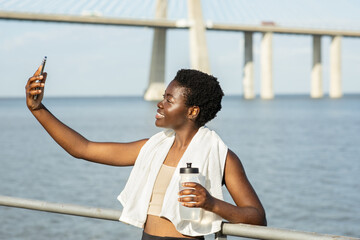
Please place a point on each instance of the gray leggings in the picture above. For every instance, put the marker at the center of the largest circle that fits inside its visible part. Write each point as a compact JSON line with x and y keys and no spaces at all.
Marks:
{"x":146,"y":236}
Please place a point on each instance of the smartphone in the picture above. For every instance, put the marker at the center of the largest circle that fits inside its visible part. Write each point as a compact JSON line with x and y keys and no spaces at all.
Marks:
{"x":42,"y":70}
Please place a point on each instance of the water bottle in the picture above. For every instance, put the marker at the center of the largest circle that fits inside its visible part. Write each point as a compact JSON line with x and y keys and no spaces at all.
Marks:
{"x":189,"y":174}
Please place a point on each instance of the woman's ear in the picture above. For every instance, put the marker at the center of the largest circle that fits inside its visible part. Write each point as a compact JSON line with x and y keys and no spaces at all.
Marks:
{"x":193,"y":112}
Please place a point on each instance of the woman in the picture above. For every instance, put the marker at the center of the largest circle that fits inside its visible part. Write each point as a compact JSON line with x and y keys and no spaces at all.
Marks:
{"x":191,"y":100}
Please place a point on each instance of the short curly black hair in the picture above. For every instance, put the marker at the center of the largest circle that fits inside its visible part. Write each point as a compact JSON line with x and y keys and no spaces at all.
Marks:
{"x":202,"y":90}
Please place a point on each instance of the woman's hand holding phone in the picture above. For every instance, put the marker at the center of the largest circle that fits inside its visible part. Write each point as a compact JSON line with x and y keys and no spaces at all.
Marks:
{"x":35,"y":89}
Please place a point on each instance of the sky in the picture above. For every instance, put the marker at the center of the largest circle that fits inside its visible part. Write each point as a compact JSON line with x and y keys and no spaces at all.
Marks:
{"x":86,"y":60}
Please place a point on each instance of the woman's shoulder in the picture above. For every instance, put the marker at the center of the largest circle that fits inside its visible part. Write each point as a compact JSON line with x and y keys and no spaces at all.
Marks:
{"x":215,"y":138}
{"x":232,"y":156}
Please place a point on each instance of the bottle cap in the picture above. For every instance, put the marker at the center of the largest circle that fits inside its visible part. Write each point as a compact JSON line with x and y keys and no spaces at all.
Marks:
{"x":189,"y":169}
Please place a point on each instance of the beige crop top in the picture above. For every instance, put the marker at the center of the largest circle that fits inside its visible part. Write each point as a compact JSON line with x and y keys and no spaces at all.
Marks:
{"x":161,"y":183}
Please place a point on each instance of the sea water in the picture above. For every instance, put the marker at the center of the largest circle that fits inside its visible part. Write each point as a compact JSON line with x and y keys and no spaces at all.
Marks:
{"x":301,"y":155}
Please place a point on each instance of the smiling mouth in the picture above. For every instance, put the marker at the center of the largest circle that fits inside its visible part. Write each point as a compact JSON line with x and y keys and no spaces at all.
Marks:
{"x":159,"y":116}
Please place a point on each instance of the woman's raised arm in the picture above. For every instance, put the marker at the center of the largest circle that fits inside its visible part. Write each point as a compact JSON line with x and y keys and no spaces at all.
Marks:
{"x":116,"y":154}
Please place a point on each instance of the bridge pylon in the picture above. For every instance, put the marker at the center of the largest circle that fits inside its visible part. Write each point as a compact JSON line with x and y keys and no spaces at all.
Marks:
{"x":156,"y":86}
{"x":335,"y":67}
{"x":248,"y":71}
{"x":316,"y":72}
{"x":199,"y":57}
{"x":266,"y":88}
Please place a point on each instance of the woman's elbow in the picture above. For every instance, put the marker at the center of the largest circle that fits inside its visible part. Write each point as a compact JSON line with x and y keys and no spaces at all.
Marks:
{"x":251,"y":216}
{"x":262,"y":217}
{"x":264,"y":222}
{"x":79,"y":151}
{"x":259,"y":218}
{"x":76,"y":153}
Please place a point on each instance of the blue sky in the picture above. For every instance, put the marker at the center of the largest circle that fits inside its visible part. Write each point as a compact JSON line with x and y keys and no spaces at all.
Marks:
{"x":86,"y":60}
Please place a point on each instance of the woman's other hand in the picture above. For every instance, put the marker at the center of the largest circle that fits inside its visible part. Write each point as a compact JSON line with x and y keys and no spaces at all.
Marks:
{"x":201,"y":198}
{"x":33,"y":88}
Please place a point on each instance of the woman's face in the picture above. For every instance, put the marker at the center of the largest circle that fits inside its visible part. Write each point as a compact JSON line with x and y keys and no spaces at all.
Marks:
{"x":172,"y":111}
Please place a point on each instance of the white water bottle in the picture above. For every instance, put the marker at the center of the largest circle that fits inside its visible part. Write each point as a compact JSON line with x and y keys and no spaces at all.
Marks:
{"x":189,"y":174}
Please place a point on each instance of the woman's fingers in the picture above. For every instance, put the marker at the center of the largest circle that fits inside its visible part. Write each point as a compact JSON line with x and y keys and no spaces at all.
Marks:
{"x":34,"y":85}
{"x":36,"y":81}
{"x":37,"y":86}
{"x":189,"y":199}
{"x":36,"y":78}
{"x":187,"y":192}
{"x":197,"y":196}
{"x":189,"y":204}
{"x":33,"y":80}
{"x":35,"y":92}
{"x":192,"y":185}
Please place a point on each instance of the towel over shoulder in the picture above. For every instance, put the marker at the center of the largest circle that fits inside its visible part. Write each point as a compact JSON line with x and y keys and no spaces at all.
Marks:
{"x":206,"y":151}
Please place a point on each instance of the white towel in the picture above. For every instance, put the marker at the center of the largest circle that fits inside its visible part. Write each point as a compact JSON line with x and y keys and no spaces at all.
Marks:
{"x":206,"y":151}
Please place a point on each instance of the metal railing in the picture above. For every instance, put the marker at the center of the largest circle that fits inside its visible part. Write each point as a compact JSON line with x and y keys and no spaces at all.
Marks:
{"x":240,"y":230}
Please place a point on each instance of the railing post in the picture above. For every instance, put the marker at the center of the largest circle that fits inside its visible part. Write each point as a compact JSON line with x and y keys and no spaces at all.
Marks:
{"x":248,"y":71}
{"x":266,"y":66}
{"x":335,"y":67}
{"x":156,"y":86}
{"x":316,"y":72}
{"x":220,"y":236}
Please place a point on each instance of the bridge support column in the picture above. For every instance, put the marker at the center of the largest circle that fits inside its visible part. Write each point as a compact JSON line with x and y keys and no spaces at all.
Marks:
{"x":198,"y":49}
{"x":156,"y":87}
{"x":266,"y":66}
{"x":248,"y":71}
{"x":335,"y":67}
{"x":316,"y":72}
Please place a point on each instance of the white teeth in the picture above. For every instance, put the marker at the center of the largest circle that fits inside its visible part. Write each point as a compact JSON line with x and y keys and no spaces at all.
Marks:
{"x":159,"y":115}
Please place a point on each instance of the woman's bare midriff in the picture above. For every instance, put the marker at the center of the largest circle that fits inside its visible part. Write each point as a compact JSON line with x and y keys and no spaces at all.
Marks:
{"x":160,"y":226}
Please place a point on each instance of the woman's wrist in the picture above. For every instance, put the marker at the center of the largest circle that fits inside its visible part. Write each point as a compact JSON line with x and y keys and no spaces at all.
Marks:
{"x":213,"y":205}
{"x":33,"y":110}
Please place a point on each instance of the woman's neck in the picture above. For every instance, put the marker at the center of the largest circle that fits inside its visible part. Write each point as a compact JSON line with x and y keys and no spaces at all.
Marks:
{"x":183,"y":136}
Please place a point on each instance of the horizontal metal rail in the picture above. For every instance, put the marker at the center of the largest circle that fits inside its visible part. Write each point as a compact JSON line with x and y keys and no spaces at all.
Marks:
{"x":241,"y":230}
{"x":174,"y":24}
{"x":69,"y":209}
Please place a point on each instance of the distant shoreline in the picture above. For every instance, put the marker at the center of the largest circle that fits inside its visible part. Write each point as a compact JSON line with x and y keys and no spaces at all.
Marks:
{"x":279,"y":95}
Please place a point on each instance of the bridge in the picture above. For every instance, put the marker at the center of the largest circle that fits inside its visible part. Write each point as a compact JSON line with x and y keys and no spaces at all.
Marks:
{"x":197,"y":27}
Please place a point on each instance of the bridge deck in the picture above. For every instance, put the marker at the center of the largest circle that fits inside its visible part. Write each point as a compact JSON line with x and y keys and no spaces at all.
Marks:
{"x":172,"y":24}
